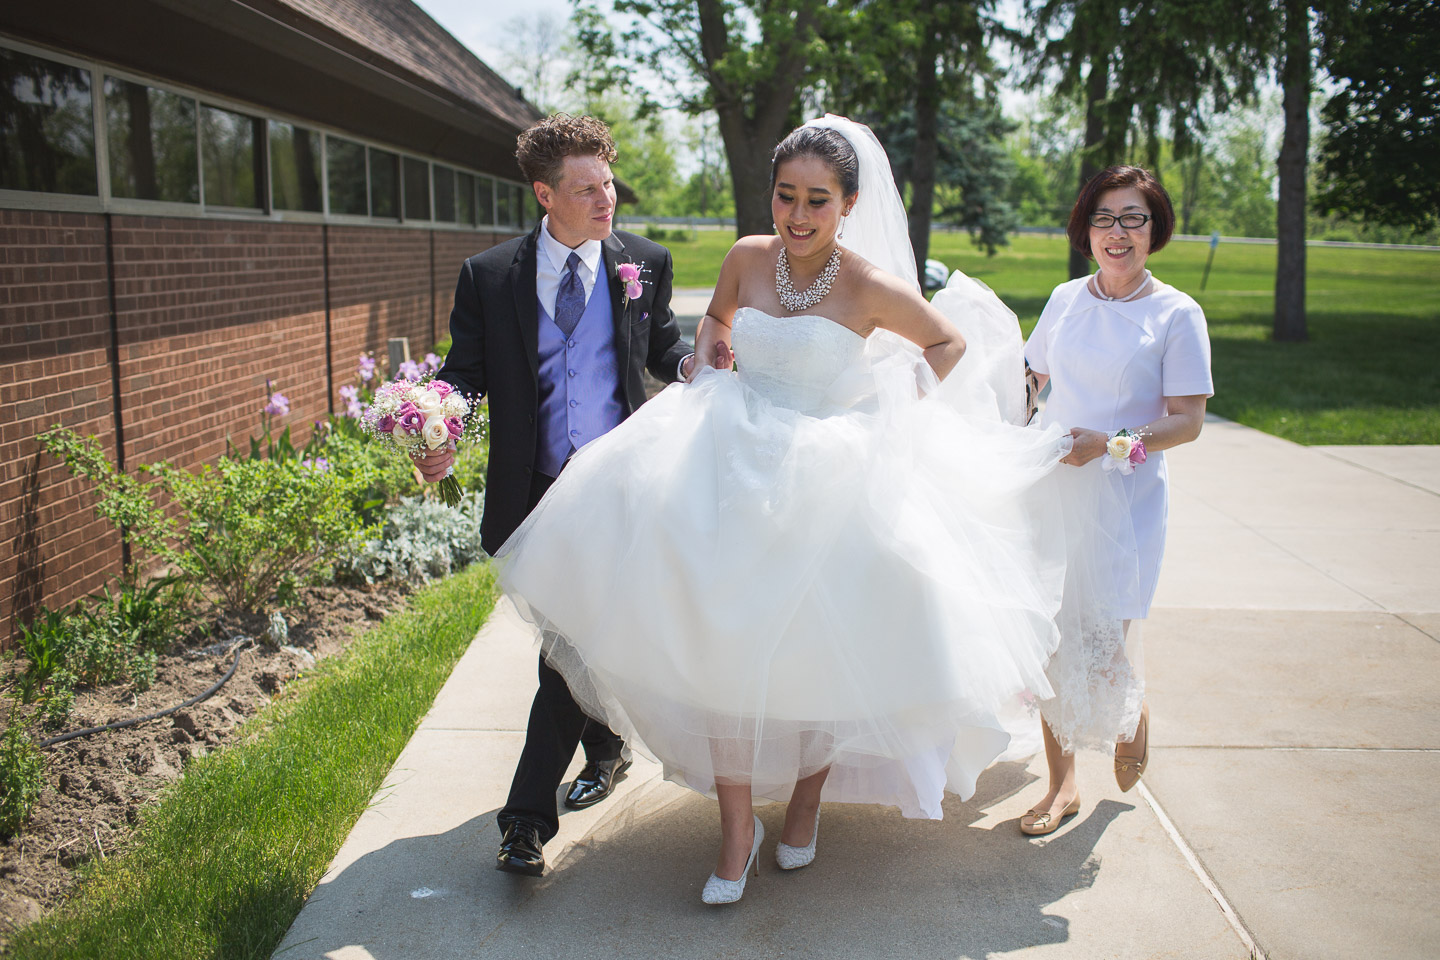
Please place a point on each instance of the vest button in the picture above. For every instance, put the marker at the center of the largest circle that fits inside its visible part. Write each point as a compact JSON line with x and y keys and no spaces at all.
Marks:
{"x":574,"y":403}
{"x":572,"y":373}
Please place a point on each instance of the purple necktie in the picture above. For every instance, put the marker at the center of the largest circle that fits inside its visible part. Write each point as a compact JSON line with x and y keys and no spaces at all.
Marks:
{"x":570,"y":301}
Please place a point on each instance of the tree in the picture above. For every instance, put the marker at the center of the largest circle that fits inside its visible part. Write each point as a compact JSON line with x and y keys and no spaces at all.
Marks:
{"x":1379,"y":154}
{"x":1296,"y":78}
{"x":911,"y":68}
{"x":1134,"y":64}
{"x":748,"y":60}
{"x":533,"y":50}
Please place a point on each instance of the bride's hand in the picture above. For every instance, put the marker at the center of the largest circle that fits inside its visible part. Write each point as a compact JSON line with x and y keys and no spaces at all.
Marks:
{"x":1089,"y":444}
{"x":715,"y":354}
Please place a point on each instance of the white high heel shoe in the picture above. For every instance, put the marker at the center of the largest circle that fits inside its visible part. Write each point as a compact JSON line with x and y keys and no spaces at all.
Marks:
{"x":718,"y":890}
{"x":793,"y":858}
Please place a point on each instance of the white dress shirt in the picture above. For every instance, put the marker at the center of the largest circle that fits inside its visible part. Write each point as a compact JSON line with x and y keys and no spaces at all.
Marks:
{"x":550,"y":260}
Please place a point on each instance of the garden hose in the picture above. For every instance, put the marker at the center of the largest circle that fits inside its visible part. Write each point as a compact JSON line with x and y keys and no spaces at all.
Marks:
{"x":121,"y":724}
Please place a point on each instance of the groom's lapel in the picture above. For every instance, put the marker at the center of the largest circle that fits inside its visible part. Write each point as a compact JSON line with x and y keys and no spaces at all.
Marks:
{"x":613,"y":256}
{"x":527,"y":302}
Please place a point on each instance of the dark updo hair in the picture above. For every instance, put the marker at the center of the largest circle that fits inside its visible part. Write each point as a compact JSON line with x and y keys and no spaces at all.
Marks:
{"x":1162,"y":214}
{"x":826,"y":145}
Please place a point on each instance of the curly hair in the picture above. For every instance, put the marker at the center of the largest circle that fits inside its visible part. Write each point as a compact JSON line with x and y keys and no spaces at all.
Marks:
{"x":1162,"y":214}
{"x":542,"y":149}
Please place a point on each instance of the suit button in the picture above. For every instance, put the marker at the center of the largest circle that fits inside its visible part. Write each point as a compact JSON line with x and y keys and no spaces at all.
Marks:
{"x":529,"y":469}
{"x":532,"y":418}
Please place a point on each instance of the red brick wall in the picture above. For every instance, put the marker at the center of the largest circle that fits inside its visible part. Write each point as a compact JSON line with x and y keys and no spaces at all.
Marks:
{"x":54,"y":336}
{"x":206,"y":311}
{"x":453,"y":248}
{"x":379,"y":288}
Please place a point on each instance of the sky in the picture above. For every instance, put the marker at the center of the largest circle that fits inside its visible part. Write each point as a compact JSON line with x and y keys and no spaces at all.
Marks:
{"x":475,"y":22}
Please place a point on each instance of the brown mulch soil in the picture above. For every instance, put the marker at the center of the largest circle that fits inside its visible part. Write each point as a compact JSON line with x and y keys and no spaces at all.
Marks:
{"x":97,"y":786}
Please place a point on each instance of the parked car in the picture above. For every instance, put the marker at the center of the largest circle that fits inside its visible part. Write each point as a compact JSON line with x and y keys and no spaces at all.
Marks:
{"x":936,"y":274}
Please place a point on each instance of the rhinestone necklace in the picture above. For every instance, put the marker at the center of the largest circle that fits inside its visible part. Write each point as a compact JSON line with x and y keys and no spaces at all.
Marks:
{"x":812,"y":294}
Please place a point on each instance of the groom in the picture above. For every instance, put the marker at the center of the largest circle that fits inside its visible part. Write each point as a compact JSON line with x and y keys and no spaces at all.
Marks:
{"x":544,"y":327}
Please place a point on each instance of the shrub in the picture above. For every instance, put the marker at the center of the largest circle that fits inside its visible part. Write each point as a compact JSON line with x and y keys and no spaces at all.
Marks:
{"x":255,"y":528}
{"x":119,"y":635}
{"x":421,"y":539}
{"x":22,"y":777}
{"x":246,"y":530}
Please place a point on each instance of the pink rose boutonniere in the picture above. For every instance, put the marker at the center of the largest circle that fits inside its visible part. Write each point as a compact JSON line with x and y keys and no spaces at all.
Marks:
{"x":629,"y":274}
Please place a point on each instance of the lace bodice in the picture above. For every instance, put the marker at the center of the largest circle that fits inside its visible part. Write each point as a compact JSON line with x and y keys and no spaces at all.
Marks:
{"x":792,"y":361}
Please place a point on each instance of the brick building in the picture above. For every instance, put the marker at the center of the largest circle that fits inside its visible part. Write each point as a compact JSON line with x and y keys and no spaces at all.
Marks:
{"x":196,"y":197}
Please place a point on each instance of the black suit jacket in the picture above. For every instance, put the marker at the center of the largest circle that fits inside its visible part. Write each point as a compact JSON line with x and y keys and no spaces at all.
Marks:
{"x":494,"y":328}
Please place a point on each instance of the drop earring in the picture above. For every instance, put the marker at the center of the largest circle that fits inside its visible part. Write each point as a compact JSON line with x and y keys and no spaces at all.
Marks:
{"x":843,"y":217}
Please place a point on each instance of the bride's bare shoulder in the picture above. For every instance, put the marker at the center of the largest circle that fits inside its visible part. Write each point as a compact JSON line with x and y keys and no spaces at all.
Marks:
{"x":753,"y":248}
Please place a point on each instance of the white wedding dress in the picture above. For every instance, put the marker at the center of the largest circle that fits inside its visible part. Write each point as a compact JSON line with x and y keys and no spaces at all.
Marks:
{"x":825,"y":559}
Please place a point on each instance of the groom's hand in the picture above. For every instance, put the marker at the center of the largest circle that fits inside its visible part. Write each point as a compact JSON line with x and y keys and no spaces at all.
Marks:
{"x":434,"y":464}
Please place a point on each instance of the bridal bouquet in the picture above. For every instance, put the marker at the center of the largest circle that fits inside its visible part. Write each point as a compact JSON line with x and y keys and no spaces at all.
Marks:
{"x":417,"y":416}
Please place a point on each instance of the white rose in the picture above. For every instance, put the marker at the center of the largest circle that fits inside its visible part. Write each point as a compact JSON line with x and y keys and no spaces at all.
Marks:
{"x":428,"y":402}
{"x":1119,"y":447}
{"x":399,"y":433}
{"x":435,"y":432}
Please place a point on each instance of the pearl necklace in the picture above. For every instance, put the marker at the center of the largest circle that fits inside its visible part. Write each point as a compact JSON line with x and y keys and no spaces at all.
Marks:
{"x":1132,"y":295}
{"x":812,"y":294}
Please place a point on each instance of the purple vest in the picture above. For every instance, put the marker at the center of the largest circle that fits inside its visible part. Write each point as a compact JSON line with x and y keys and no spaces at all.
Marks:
{"x":579,"y":382}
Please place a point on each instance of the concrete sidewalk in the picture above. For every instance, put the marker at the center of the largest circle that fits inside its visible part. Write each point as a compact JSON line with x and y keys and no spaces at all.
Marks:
{"x":1293,"y":666}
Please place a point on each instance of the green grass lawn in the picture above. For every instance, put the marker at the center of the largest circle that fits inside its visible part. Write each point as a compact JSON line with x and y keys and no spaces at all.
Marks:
{"x":1366,"y":375}
{"x":223,"y":865}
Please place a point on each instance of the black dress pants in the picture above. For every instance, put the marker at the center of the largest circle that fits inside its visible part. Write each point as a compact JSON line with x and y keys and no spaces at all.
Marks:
{"x":557,"y":725}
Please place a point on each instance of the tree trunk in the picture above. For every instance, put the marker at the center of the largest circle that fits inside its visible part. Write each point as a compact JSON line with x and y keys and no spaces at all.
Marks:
{"x":748,"y":150}
{"x":1097,"y":90}
{"x":927,"y":148}
{"x":1295,"y":76}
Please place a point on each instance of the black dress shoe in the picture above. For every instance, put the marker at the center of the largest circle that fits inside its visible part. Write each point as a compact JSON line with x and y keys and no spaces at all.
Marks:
{"x":521,"y":850}
{"x":596,"y":780}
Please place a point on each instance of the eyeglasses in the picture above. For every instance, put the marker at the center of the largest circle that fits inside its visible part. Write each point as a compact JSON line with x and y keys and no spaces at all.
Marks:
{"x":1130,"y":221}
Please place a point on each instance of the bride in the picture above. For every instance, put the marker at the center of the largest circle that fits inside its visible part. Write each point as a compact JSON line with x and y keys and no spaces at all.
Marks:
{"x":831,"y":572}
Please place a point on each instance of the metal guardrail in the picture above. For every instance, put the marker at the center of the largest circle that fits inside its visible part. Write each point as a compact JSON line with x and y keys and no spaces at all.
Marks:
{"x":728,"y":223}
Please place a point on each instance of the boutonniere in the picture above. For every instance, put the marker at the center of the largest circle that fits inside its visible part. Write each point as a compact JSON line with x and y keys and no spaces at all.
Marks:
{"x":629,"y":274}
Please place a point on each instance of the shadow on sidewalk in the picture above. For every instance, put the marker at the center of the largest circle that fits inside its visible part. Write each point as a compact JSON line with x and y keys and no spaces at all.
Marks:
{"x":881,"y":886}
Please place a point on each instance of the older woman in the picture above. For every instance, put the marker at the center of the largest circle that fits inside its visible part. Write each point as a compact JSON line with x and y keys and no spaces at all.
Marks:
{"x":1128,"y":360}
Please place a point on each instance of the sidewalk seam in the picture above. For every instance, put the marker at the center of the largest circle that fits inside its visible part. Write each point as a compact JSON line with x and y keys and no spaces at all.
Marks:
{"x":1378,"y":473}
{"x":1203,"y":875}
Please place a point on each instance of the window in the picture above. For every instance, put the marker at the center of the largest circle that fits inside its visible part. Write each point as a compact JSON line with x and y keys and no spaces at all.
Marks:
{"x":517,"y":206}
{"x":444,"y":194}
{"x":485,"y":205}
{"x":152,"y":143}
{"x":465,"y":195}
{"x":502,"y":205}
{"x":230,"y":158}
{"x":417,"y":189}
{"x":47,"y":129}
{"x":345,"y":162}
{"x":384,"y":184}
{"x":295,"y":168}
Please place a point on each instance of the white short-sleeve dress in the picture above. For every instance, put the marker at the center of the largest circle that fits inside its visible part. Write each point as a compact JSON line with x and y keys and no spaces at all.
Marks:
{"x":1111,"y":365}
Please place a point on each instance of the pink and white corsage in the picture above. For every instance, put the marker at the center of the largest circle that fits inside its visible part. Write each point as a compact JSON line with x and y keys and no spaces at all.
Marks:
{"x":1124,"y":452}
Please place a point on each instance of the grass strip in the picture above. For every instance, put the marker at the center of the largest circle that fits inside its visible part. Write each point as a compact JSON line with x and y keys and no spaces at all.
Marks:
{"x":223,"y":864}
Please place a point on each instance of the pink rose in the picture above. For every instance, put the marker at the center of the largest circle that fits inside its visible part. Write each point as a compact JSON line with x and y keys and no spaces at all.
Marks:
{"x":441,"y":387}
{"x":1137,"y":453}
{"x":628,"y":273}
{"x":386,"y":424}
{"x":409,"y":418}
{"x":455,"y":426}
{"x":633,"y":289}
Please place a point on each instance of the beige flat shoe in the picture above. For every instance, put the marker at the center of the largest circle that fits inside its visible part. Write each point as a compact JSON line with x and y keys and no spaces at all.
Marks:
{"x":1128,"y":770}
{"x":1042,"y":823}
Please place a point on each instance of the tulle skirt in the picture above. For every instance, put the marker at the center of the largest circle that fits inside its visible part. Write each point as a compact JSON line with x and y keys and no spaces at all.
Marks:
{"x":752,"y":594}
